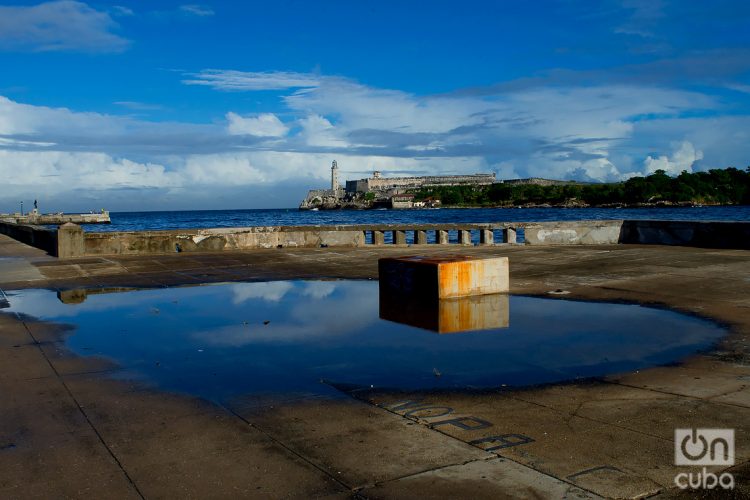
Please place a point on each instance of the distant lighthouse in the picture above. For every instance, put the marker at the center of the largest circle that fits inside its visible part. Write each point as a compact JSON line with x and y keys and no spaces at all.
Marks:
{"x":335,"y":177}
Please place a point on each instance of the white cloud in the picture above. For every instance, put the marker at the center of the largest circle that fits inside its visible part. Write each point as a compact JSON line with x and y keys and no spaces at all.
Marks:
{"x":318,"y":131}
{"x":49,"y":172}
{"x":222,"y":170}
{"x":20,"y":119}
{"x":262,"y":125}
{"x":682,"y":158}
{"x":243,"y":81}
{"x":65,"y":25}
{"x":359,"y":106}
{"x":604,"y":133}
{"x":197,"y":10}
{"x":120,"y":10}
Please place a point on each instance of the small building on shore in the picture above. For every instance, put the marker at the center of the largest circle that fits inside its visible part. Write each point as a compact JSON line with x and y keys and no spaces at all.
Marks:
{"x":401,"y":201}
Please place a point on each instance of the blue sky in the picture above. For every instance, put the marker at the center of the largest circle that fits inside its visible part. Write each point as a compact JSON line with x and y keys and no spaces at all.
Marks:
{"x":167,"y":105}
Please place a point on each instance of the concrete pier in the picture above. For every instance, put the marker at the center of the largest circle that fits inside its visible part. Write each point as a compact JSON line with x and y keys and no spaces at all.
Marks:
{"x":36,"y":218}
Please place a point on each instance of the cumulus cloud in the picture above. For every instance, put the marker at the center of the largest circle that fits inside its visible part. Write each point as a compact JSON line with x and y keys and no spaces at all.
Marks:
{"x":363,"y":107}
{"x":593,"y":133}
{"x":262,"y":125}
{"x":65,"y":25}
{"x":682,"y":158}
{"x":318,"y":131}
{"x":49,"y":172}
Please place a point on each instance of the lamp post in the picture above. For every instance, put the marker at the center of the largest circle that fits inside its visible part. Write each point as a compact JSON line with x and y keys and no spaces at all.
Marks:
{"x":21,"y":208}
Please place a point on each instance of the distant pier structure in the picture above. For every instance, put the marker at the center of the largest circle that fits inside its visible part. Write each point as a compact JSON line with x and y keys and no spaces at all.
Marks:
{"x":37,"y":218}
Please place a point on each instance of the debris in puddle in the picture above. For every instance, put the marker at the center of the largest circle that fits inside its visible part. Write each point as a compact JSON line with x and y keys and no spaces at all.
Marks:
{"x":155,"y":310}
{"x":436,"y":372}
{"x":266,"y":322}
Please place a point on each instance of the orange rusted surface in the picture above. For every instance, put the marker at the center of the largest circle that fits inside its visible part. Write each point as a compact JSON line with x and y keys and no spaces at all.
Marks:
{"x":472,"y":277}
{"x":444,"y":276}
{"x":466,"y":314}
{"x":463,"y":314}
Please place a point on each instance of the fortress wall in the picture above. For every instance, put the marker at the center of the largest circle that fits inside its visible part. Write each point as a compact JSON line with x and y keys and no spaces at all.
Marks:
{"x":432,"y":180}
{"x":538,"y":181}
{"x":358,"y":186}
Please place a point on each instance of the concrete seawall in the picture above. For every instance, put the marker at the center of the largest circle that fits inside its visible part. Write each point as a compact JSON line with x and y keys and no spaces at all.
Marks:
{"x":35,"y":236}
{"x":71,"y":241}
{"x":705,"y":234}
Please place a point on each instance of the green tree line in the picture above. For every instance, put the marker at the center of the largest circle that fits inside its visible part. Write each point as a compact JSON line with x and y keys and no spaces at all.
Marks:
{"x":729,"y":186}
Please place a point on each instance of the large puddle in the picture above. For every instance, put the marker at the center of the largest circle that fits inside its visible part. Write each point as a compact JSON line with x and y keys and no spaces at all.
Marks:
{"x":221,"y":341}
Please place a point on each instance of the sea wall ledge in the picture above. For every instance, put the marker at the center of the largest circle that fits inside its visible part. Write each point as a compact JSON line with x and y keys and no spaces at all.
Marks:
{"x":32,"y":235}
{"x":71,"y":240}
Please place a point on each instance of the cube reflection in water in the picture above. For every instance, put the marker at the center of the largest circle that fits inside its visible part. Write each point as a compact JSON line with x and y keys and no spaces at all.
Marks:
{"x":464,"y":314}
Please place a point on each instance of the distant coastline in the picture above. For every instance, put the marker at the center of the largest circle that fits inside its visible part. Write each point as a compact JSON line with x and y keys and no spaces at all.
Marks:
{"x":656,"y":205}
{"x":717,"y":187}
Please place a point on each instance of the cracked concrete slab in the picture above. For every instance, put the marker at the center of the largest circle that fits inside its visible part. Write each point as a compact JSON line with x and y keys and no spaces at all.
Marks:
{"x":483,"y":479}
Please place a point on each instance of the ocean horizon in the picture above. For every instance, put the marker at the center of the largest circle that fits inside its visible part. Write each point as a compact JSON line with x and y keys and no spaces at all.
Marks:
{"x":198,"y":219}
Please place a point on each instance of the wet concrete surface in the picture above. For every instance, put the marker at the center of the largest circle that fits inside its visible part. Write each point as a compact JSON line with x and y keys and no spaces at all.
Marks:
{"x":68,"y":431}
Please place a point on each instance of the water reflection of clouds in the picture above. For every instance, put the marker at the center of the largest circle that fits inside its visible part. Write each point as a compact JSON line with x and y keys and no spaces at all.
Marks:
{"x":327,"y":309}
{"x":271,"y":291}
{"x":322,"y":323}
{"x":318,"y":289}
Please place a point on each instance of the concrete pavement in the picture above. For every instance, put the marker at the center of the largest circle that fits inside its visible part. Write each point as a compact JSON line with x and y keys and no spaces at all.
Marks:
{"x":67,"y":430}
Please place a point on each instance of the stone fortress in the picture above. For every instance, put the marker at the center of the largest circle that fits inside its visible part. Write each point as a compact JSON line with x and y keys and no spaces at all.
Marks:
{"x":382,"y":191}
{"x":377,"y":183}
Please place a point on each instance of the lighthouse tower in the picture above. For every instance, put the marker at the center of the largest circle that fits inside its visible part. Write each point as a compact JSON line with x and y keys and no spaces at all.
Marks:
{"x":335,"y":178}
